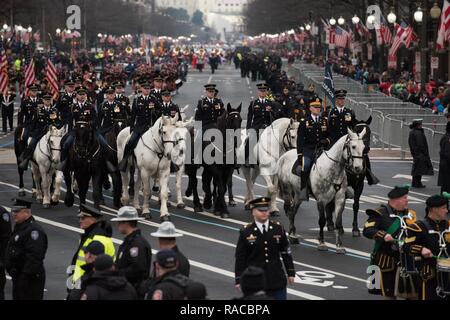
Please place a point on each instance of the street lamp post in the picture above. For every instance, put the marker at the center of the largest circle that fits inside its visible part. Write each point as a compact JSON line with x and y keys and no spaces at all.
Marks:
{"x":435,"y":13}
{"x":422,"y":18}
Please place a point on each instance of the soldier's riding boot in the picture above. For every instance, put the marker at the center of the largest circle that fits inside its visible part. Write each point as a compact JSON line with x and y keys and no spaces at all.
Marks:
{"x":371,"y":178}
{"x":26,"y":156}
{"x":304,"y":192}
{"x":124,"y":162}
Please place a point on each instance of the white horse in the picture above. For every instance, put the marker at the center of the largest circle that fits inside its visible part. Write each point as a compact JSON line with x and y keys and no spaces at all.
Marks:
{"x":274,"y":141}
{"x":153,"y":155}
{"x":328,"y":182}
{"x":46,"y":157}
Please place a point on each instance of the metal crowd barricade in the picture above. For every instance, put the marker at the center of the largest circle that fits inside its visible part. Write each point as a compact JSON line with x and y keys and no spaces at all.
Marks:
{"x":391,"y":117}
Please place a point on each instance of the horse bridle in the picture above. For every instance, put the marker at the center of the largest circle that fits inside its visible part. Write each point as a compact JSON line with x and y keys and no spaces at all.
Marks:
{"x":288,"y":137}
{"x":350,"y":155}
{"x":49,"y":149}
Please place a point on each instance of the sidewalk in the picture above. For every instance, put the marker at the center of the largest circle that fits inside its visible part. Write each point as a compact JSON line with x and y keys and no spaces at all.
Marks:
{"x":386,"y":154}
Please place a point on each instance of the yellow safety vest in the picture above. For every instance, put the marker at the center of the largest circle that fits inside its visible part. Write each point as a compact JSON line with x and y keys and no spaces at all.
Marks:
{"x":81,"y":261}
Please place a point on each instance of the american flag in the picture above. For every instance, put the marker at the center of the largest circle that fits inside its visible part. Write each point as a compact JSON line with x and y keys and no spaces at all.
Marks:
{"x":386,"y":34}
{"x":342,"y":37}
{"x":444,"y":27}
{"x":4,"y":79}
{"x":363,"y":31}
{"x":29,"y":72}
{"x":51,"y":74}
{"x":404,"y":35}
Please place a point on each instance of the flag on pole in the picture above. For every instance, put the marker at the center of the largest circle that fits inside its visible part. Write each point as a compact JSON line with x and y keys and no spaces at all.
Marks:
{"x":444,"y":27}
{"x":342,"y":37}
{"x":52,"y":75}
{"x":4,"y":79}
{"x":328,"y":83}
{"x":29,"y":71}
{"x":404,"y":35}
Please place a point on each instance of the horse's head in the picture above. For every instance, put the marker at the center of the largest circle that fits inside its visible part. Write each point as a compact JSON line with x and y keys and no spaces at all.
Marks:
{"x":233,"y":117}
{"x":180,"y":146}
{"x":83,"y":135}
{"x":360,"y":126}
{"x":54,"y":137}
{"x":167,"y":129}
{"x":354,"y":150}
{"x":291,"y":133}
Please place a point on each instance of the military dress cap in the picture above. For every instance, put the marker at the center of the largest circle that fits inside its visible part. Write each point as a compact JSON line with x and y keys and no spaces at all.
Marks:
{"x":436,"y":201}
{"x":262,"y":86}
{"x":95,"y":247}
{"x":398,"y":192}
{"x":47,"y":96}
{"x":103,"y":262}
{"x":127,"y":213}
{"x":81,"y":90}
{"x":317,"y":102}
{"x":78,"y":79}
{"x":165,"y":92}
{"x":69,"y":82}
{"x":110,"y":89}
{"x":166,"y":230}
{"x":145,"y":85}
{"x":340,"y":93}
{"x":210,"y":86}
{"x":118,"y":84}
{"x":158,"y":78}
{"x":260,"y":203}
{"x":252,"y":280}
{"x":20,"y":204}
{"x":88,"y":211}
{"x":167,"y":258}
{"x":33,"y":87}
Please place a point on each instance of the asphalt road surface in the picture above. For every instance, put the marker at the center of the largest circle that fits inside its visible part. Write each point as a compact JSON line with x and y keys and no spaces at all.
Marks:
{"x":209,"y":241}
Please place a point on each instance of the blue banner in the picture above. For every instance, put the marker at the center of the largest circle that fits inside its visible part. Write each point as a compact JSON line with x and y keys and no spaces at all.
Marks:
{"x":328,"y":84}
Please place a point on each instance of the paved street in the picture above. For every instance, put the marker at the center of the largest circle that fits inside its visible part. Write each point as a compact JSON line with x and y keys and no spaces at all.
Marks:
{"x":209,"y":242}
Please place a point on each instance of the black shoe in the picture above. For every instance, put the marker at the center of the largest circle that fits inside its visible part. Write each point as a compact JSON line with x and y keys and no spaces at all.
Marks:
{"x":165,"y":218}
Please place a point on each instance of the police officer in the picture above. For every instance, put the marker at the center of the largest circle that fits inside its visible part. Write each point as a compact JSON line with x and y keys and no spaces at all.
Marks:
{"x":66,"y":100}
{"x":44,"y":116}
{"x":167,"y":236}
{"x":423,"y":241}
{"x":27,"y":109}
{"x":7,"y":106}
{"x":209,"y":108}
{"x":169,"y":283}
{"x":385,"y":229}
{"x":95,"y":229}
{"x":25,"y":254}
{"x":169,"y":108}
{"x":5,"y":234}
{"x":252,"y":284}
{"x":121,"y":97}
{"x":109,"y":111}
{"x":261,"y":244}
{"x":157,"y":88}
{"x":134,"y":256}
{"x":145,"y":112}
{"x":82,"y":111}
{"x":313,"y":133}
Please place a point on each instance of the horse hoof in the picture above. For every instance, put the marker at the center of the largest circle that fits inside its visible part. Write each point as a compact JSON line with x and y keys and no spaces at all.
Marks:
{"x":247,"y":207}
{"x":22,"y":193}
{"x":232,"y":203}
{"x":207,"y":204}
{"x":322,"y":247}
{"x":46,"y":206}
{"x":164,"y":218}
{"x":181,"y":206}
{"x":216,"y":213}
{"x":148,"y":216}
{"x":40,"y":200}
{"x":274,"y":214}
{"x":54,"y":203}
{"x":198,"y":208}
{"x":341,"y":231}
{"x":356,"y":233}
{"x":224,"y":215}
{"x":330,"y":228}
{"x":340,"y":250}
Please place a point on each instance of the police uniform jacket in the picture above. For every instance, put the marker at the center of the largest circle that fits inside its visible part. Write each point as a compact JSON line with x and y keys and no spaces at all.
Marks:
{"x":26,"y":250}
{"x":208,"y":110}
{"x":26,"y":111}
{"x":258,"y":116}
{"x":134,"y":258}
{"x":264,"y":251}
{"x":5,"y":234}
{"x":83,"y":112}
{"x":169,"y":286}
{"x":110,"y":111}
{"x":171,"y":110}
{"x":42,"y":119}
{"x":145,"y":113}
{"x":108,"y":285}
{"x":340,"y":121}
{"x":310,"y":133}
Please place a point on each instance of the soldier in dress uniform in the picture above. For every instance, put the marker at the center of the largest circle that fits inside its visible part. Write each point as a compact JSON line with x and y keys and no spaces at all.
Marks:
{"x":289,"y":108}
{"x":209,"y":108}
{"x":5,"y":234}
{"x":385,"y":230}
{"x":169,"y":108}
{"x":145,"y":112}
{"x":44,"y":116}
{"x":262,"y":244}
{"x":134,"y":257}
{"x":82,"y":111}
{"x":66,"y":100}
{"x":157,"y":88}
{"x":121,"y":97}
{"x":7,"y":106}
{"x":111,"y":109}
{"x":313,"y":134}
{"x":27,"y":109}
{"x":422,"y":243}
{"x":25,"y":254}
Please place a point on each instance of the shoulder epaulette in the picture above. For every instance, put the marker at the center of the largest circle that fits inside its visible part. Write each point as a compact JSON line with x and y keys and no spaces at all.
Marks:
{"x":414,"y":227}
{"x":374,"y":211}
